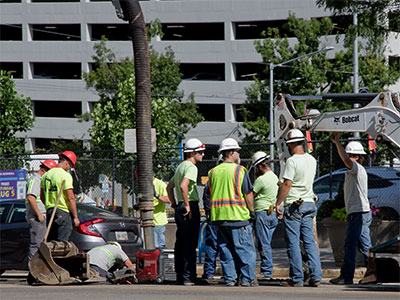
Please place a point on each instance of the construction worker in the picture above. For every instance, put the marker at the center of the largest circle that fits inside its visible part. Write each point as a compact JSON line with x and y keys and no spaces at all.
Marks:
{"x":187,"y":213}
{"x":211,"y":245}
{"x":35,"y":209}
{"x":160,"y":215}
{"x":61,"y":228}
{"x":103,"y":258}
{"x":265,"y":191}
{"x":231,"y":210}
{"x":296,"y":193}
{"x":357,"y":205}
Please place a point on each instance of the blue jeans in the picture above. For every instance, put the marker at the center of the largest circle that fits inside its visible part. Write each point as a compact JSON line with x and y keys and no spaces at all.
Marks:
{"x":236,"y":245}
{"x":61,"y":228}
{"x":187,"y":233}
{"x":211,"y":250}
{"x":264,"y":229}
{"x":159,"y":236}
{"x":357,"y":236}
{"x":298,"y":220}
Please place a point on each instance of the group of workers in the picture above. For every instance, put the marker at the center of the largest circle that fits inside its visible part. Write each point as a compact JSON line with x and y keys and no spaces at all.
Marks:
{"x":53,"y":181}
{"x":233,"y":205}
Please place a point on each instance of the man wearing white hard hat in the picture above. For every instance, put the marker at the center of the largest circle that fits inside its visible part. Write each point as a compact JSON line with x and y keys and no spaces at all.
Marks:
{"x":357,"y":208}
{"x":297,"y":196}
{"x":265,"y":189}
{"x":187,"y":213}
{"x":232,"y":209}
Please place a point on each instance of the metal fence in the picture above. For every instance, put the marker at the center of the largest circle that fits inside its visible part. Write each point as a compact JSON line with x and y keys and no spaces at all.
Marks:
{"x":106,"y":178}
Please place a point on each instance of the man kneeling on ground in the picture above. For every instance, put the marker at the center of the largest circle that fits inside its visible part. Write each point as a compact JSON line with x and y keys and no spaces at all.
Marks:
{"x":103,"y":258}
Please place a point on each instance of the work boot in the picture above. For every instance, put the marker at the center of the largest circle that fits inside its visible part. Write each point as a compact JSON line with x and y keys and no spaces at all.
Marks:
{"x":340,"y":281}
{"x":230,"y":284}
{"x":313,"y":283}
{"x":254,"y":283}
{"x":291,"y":283}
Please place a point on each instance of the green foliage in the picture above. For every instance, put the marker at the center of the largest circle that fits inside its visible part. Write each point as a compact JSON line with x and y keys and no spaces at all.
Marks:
{"x":316,"y":74}
{"x":114,"y":80}
{"x":339,"y":214}
{"x":372,"y":16}
{"x":15,"y":115}
{"x":328,"y":207}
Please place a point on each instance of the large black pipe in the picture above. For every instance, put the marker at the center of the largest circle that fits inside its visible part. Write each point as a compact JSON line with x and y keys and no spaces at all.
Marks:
{"x":137,"y":29}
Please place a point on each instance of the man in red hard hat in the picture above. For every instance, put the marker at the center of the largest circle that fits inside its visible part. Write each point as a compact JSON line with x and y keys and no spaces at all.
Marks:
{"x":35,"y":210}
{"x":66,"y":212}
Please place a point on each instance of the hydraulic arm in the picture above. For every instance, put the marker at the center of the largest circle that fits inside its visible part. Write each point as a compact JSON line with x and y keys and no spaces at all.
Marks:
{"x":379,"y":117}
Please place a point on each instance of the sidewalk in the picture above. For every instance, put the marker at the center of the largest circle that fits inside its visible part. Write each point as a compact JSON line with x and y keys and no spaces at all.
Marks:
{"x":281,"y":265}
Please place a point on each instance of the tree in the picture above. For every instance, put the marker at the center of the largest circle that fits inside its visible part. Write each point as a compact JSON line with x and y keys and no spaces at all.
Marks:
{"x":306,"y":76}
{"x":113,"y":80}
{"x":319,"y":76}
{"x":376,"y":18}
{"x":15,"y":116}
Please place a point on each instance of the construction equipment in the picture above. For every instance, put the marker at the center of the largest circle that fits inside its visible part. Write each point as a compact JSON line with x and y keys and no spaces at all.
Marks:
{"x":379,"y":117}
{"x":59,"y":262}
{"x":383,"y":269}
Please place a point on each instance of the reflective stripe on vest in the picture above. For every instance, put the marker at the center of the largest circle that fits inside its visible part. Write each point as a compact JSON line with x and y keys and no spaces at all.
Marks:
{"x":108,"y":252}
{"x":28,"y":190}
{"x":227,"y":201}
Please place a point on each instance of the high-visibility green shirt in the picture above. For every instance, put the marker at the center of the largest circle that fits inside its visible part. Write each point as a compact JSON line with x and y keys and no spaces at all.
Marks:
{"x":266,"y":188}
{"x":186,"y":170}
{"x":227,"y":199}
{"x":51,"y":184}
{"x":160,"y":215}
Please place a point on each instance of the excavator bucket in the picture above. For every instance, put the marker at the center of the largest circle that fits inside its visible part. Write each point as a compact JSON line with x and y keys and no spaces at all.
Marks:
{"x":58,"y":263}
{"x":383,"y":269}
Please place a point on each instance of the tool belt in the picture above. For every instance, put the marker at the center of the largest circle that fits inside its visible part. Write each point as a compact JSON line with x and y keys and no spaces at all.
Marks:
{"x":270,"y":210}
{"x":298,"y":202}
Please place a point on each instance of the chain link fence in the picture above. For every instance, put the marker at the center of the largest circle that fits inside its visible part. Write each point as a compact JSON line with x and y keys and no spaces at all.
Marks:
{"x":104,"y":178}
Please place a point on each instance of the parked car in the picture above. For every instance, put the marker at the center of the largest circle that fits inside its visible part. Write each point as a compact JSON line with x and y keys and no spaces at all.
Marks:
{"x":97,"y":227}
{"x":383,"y":188}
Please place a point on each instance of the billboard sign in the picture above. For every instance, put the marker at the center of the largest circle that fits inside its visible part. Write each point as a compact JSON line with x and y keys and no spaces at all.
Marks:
{"x":12,"y":184}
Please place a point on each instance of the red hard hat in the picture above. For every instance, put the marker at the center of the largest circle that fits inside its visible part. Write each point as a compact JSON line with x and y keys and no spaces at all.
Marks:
{"x":49,"y":163}
{"x":70,"y":155}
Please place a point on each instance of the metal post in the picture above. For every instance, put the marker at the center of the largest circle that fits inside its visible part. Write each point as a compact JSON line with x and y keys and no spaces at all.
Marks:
{"x":113,"y":175}
{"x":271,"y":114}
{"x":355,"y":67}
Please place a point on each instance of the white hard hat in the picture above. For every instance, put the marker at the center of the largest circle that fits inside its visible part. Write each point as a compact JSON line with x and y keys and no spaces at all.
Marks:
{"x":355,"y":148}
{"x":294,"y":135}
{"x":193,"y":145}
{"x":228,"y":144}
{"x":114,"y":243}
{"x":258,"y":157}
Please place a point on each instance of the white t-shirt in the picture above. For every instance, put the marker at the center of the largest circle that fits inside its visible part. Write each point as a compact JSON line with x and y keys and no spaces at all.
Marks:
{"x":356,"y":189}
{"x":300,"y":169}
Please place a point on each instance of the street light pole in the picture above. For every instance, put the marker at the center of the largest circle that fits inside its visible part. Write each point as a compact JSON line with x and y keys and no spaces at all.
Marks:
{"x":271,"y":97}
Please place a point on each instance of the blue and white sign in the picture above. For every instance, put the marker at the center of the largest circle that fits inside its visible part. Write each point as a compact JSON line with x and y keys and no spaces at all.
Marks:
{"x":12,"y":184}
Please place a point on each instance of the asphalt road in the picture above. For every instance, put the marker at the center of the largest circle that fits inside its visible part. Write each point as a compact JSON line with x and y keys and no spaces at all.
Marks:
{"x":15,"y":288}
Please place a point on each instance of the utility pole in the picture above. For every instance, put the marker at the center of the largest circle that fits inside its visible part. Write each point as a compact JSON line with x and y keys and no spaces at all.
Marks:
{"x":356,"y":135}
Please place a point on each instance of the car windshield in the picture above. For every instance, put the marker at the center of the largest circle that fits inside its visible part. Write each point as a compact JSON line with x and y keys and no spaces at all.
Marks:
{"x":93,"y":211}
